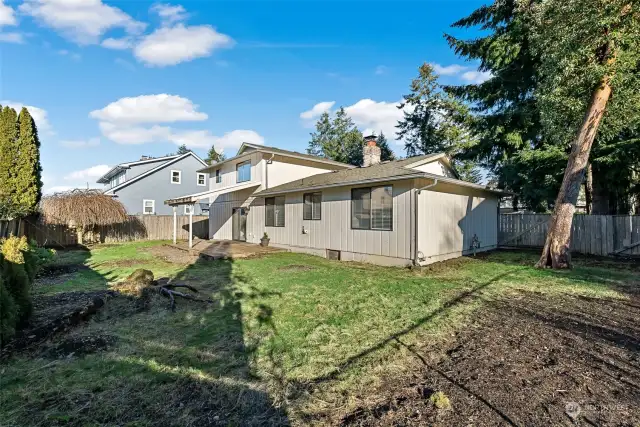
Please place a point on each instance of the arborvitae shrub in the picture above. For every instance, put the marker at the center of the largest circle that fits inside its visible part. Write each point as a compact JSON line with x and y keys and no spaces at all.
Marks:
{"x":8,"y":314}
{"x":18,"y":269}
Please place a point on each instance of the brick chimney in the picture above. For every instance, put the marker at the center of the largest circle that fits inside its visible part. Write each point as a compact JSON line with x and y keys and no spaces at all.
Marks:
{"x":371,"y":151}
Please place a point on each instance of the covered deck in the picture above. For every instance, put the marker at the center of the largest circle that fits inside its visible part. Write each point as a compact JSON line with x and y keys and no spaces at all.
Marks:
{"x":202,"y":198}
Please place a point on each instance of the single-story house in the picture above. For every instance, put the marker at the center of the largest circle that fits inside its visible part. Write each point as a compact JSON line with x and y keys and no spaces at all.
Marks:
{"x":412,"y":211}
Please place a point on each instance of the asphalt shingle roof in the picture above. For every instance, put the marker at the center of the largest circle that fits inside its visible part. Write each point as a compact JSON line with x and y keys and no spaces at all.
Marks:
{"x":392,"y":169}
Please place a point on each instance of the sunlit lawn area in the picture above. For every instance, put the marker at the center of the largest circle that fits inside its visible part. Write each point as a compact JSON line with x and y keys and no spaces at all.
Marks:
{"x":291,"y":338}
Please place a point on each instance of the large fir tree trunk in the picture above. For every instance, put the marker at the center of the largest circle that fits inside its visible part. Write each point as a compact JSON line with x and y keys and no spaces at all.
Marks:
{"x":588,"y":189}
{"x":556,"y":251}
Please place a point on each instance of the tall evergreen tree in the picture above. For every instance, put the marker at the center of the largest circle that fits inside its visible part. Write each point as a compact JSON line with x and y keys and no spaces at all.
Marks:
{"x":386,"y":153}
{"x":28,"y":171}
{"x":8,"y":148}
{"x":321,"y":137}
{"x":436,"y":122}
{"x":214,"y":157}
{"x":182,"y":149}
{"x":589,"y":50}
{"x":338,"y":139}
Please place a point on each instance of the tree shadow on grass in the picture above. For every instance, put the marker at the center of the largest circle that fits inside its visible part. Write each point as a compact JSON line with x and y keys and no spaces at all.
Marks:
{"x":190,"y":367}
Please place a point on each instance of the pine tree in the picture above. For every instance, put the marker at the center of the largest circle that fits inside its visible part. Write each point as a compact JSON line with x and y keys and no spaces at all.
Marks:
{"x":8,"y":149}
{"x":214,"y":157}
{"x":27,"y":179}
{"x":321,"y":137}
{"x":338,"y":139}
{"x":436,"y":122}
{"x":386,"y":153}
{"x":182,"y":149}
{"x":589,"y":50}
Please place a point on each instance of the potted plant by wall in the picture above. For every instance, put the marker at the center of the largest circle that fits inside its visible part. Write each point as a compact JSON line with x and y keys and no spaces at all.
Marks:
{"x":265,"y":239}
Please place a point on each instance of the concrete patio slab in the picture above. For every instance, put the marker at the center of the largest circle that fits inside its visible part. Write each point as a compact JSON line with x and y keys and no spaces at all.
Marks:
{"x":224,"y":249}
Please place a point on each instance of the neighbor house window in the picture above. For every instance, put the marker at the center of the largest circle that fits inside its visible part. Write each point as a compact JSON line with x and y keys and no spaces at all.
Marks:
{"x":148,"y":207}
{"x":274,"y":211}
{"x":243,"y":172}
{"x":202,"y":179}
{"x":312,"y":206}
{"x":188,"y":209}
{"x":176,"y":177}
{"x":218,"y":177}
{"x":372,"y":208}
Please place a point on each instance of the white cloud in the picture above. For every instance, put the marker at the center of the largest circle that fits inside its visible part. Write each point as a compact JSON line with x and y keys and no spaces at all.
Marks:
{"x":89,"y":173}
{"x":170,"y":14}
{"x":380,"y":70}
{"x":477,"y":77}
{"x":317,"y":110}
{"x":82,"y":21}
{"x":173,"y":45}
{"x":91,"y":142}
{"x":57,"y":189}
{"x":448,"y":70}
{"x":375,"y":116}
{"x":7,"y":15}
{"x":12,"y":38}
{"x":73,"y":55}
{"x":117,"y":44}
{"x":234,"y":139}
{"x":125,"y":64}
{"x":161,"y":108}
{"x":123,"y":134}
{"x":40,"y":116}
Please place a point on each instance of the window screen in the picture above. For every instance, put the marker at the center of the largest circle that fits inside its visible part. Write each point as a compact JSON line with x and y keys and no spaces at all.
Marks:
{"x":243,"y":172}
{"x":372,"y":208}
{"x":274,"y":211}
{"x":312,"y":206}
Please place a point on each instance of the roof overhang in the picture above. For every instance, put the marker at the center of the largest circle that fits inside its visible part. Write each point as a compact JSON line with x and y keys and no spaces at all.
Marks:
{"x":426,"y":175}
{"x":193,"y":198}
{"x":106,"y":178}
{"x":258,"y":148}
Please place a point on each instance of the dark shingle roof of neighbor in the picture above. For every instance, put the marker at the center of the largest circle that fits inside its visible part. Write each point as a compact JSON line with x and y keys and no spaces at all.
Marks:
{"x":393,"y":169}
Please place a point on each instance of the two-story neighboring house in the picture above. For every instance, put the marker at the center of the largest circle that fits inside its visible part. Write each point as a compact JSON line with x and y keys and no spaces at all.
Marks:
{"x":143,"y":186}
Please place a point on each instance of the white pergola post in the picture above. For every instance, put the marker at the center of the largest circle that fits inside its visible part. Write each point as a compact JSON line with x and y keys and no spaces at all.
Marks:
{"x":191,"y":228}
{"x":175,"y":225}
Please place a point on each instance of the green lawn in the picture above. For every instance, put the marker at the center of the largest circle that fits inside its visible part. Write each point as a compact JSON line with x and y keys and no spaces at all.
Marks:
{"x":290,"y":339}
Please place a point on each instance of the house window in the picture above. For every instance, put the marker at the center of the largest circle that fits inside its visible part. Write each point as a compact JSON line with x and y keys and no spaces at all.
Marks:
{"x":188,"y":209}
{"x":218,"y":177}
{"x":243,"y":172}
{"x":202,"y":179}
{"x":120,"y":179}
{"x":372,"y":208}
{"x":274,"y":211}
{"x":148,"y":207}
{"x":176,"y":177}
{"x":312,"y":206}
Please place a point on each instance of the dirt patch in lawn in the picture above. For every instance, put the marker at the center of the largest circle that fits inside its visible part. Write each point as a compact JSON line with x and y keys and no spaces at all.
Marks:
{"x":57,"y":274}
{"x":173,"y":255}
{"x":296,"y":267}
{"x":78,"y":346}
{"x":54,"y":314}
{"x":530,"y":359}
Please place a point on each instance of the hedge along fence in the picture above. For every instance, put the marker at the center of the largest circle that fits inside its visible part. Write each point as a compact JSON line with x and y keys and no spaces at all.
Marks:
{"x":136,"y":228}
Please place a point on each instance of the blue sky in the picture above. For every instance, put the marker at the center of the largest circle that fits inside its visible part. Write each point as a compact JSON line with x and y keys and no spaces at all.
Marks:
{"x":109,"y":81}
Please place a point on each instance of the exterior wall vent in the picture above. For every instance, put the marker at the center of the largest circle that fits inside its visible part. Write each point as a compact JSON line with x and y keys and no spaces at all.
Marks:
{"x":334,"y":255}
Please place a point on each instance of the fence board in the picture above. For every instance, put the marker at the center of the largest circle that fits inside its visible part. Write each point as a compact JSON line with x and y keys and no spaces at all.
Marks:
{"x":136,"y":228}
{"x":590,"y":234}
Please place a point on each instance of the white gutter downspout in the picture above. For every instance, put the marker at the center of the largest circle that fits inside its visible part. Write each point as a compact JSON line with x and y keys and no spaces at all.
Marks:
{"x":266,"y":173}
{"x":416,"y":253}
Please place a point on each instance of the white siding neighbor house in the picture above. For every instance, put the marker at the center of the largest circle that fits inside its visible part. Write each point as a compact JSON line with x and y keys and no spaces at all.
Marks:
{"x":413,"y":211}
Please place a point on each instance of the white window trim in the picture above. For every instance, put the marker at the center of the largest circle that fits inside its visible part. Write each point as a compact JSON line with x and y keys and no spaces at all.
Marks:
{"x":144,"y":205}
{"x":179,"y":176}
{"x":204,"y":183}
{"x":188,"y":206}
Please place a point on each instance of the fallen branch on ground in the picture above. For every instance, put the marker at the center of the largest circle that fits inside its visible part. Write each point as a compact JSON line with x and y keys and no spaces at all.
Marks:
{"x":167,"y":291}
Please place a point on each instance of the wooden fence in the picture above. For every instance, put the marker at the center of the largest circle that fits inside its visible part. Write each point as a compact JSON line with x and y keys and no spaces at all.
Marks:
{"x":146,"y":227}
{"x":590,"y":234}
